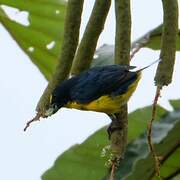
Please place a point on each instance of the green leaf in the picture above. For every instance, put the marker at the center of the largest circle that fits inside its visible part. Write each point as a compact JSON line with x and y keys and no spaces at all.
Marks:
{"x":84,"y":161}
{"x":138,"y":120}
{"x":152,"y":39}
{"x":103,"y":56}
{"x":175,"y":104}
{"x":81,"y":161}
{"x":138,"y":163}
{"x":168,"y":149}
{"x":46,"y":20}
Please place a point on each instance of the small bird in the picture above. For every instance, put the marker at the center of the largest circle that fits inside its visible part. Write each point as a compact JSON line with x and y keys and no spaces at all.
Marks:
{"x":101,"y":89}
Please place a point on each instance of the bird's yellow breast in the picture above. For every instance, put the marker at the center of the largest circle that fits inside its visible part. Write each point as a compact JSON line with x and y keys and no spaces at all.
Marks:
{"x":107,"y":103}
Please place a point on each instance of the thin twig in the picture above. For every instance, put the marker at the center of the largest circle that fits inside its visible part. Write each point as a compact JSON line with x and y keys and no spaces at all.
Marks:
{"x":112,"y":171}
{"x":137,"y":48}
{"x":149,"y":133}
{"x":165,"y":157}
{"x":36,"y":118}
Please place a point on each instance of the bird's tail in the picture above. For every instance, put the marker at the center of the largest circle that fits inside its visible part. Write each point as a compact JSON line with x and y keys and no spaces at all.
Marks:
{"x":156,"y":61}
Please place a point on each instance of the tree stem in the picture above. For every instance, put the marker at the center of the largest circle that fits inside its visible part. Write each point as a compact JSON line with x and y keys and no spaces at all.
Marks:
{"x":68,"y":49}
{"x":168,"y":43}
{"x":123,"y":32}
{"x":92,"y":32}
{"x":122,"y":56}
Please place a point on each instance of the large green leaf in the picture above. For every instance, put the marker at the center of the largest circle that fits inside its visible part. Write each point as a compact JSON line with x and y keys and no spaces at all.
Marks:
{"x":84,"y":162}
{"x":138,"y":163}
{"x":168,"y":149}
{"x":46,"y":19}
{"x":81,"y":161}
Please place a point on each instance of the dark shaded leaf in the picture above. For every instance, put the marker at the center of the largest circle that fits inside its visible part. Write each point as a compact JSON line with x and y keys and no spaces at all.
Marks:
{"x":137,"y":160}
{"x":168,"y":149}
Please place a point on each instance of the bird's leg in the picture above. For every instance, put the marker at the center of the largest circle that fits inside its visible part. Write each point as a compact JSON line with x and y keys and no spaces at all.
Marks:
{"x":114,"y":126}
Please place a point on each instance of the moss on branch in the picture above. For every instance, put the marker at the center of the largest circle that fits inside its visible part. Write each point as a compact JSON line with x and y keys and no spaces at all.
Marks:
{"x":123,"y":32}
{"x":119,"y":137}
{"x":168,"y":43}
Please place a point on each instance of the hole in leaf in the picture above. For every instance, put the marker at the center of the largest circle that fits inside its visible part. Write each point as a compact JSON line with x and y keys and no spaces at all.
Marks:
{"x":95,"y":56}
{"x":57,"y":11}
{"x":50,"y":45}
{"x":14,"y":14}
{"x":31,"y":49}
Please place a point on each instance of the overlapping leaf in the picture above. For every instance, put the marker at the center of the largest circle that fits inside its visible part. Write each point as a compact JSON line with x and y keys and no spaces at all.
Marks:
{"x":167,"y":149}
{"x":84,"y":161}
{"x":41,"y":39}
{"x":138,"y":162}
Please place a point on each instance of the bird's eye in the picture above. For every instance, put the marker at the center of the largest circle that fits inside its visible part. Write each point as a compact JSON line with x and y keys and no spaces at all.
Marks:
{"x":55,"y":106}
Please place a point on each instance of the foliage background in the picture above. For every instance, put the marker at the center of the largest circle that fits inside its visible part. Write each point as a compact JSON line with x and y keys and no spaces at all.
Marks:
{"x":31,"y":153}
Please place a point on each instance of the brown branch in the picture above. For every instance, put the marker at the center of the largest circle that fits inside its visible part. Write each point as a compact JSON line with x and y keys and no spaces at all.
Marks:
{"x":36,"y":118}
{"x":149,"y":134}
{"x":112,"y":170}
{"x":165,"y":157}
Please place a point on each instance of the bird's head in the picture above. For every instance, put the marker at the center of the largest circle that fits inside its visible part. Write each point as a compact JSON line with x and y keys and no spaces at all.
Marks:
{"x":55,"y":103}
{"x":53,"y":106}
{"x":59,"y":97}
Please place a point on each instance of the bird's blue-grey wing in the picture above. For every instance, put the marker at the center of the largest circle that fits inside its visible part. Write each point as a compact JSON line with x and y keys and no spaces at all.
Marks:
{"x":101,"y":81}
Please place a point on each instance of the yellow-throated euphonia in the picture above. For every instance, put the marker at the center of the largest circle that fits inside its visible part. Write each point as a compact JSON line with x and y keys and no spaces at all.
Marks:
{"x":102,"y":89}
